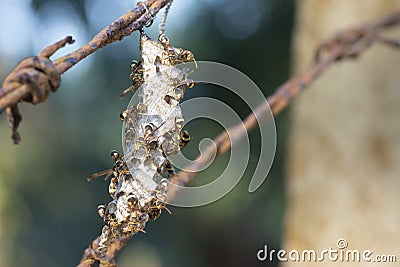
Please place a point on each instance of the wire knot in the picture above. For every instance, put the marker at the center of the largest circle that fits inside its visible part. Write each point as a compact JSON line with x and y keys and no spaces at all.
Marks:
{"x":37,"y":76}
{"x":31,"y":81}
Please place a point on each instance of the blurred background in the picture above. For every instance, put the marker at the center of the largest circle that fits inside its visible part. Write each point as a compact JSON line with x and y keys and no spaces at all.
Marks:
{"x":48,"y":210}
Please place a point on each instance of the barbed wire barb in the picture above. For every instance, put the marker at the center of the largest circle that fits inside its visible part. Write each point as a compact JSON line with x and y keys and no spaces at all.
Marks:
{"x":35,"y":77}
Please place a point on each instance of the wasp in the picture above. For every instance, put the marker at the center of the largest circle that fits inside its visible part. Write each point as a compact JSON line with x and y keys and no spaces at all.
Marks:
{"x":136,"y":73}
{"x":124,"y":114}
{"x":186,"y":56}
{"x":136,"y":77}
{"x":176,"y":56}
{"x":185,"y":139}
{"x":157,"y":205}
{"x":118,"y":168}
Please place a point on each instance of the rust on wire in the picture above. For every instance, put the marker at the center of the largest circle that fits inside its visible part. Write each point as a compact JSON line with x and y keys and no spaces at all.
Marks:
{"x":31,"y":81}
{"x":35,"y":77}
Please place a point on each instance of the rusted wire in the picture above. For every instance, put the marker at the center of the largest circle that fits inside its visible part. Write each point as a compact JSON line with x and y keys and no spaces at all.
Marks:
{"x":35,"y":77}
{"x":32,"y":80}
{"x":346,"y":45}
{"x":161,"y":26}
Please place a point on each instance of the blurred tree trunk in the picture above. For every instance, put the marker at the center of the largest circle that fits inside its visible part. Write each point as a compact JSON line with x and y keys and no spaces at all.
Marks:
{"x":344,"y":149}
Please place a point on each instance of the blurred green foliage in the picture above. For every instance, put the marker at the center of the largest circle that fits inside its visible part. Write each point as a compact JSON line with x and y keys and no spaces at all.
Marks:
{"x":48,"y":210}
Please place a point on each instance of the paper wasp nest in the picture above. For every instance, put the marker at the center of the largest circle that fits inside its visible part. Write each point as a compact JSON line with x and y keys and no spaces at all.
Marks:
{"x":152,"y":131}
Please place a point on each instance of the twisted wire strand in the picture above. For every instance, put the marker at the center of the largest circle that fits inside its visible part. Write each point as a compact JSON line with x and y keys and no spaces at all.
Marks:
{"x":161,"y":26}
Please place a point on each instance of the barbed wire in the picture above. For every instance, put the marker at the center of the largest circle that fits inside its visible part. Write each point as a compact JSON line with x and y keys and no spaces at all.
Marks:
{"x":345,"y":45}
{"x":35,"y":77}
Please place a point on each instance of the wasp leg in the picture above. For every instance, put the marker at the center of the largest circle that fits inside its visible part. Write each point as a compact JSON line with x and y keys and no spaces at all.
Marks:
{"x":127,"y":91}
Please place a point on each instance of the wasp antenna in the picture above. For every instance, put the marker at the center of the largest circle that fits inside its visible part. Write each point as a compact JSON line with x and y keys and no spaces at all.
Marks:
{"x":168,"y":210}
{"x":126,"y":91}
{"x":195,"y":63}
